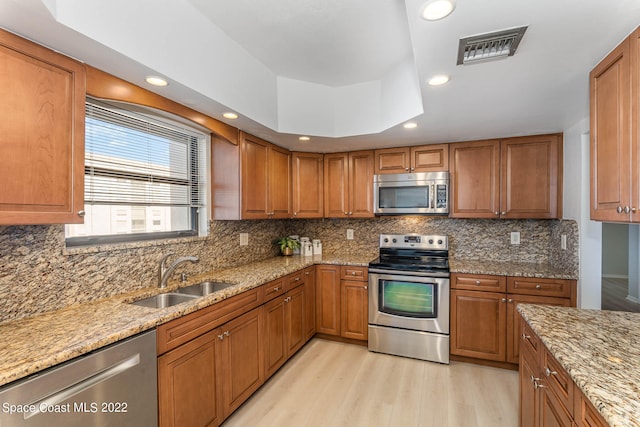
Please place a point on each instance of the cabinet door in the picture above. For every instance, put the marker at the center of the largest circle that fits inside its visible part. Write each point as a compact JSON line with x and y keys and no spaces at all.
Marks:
{"x":328,"y":299}
{"x":336,"y":185}
{"x":361,"y":184}
{"x":275,"y":348}
{"x":430,"y":158}
{"x":188,"y":393}
{"x":279,"y":182}
{"x":241,"y":347}
{"x":514,"y":319}
{"x":310,"y":302}
{"x":392,"y":160}
{"x":255,"y":177}
{"x":308,"y":189}
{"x":478,"y":324}
{"x":552,"y":413}
{"x":41,"y":134}
{"x":294,"y":320}
{"x":354,"y":303}
{"x":586,"y":415}
{"x":531,"y":177}
{"x":529,"y":394}
{"x":610,"y":136}
{"x":634,"y":59}
{"x":475,"y":179}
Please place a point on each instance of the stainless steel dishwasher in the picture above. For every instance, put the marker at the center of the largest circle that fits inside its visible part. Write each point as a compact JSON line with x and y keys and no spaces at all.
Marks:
{"x":113,"y":386}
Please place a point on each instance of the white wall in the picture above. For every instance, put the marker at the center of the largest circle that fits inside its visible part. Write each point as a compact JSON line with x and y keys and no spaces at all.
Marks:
{"x":576,"y":206}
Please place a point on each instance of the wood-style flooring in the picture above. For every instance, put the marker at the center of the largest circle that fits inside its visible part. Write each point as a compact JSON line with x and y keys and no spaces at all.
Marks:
{"x":614,"y":295}
{"x":335,"y":384}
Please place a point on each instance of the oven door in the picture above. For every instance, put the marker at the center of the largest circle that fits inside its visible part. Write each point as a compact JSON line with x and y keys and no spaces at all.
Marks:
{"x":403,"y":300}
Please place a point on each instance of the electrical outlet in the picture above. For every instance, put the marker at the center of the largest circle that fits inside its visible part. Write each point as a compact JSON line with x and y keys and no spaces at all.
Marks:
{"x":244,"y":239}
{"x":515,"y":237}
{"x":349,"y":233}
{"x":563,"y":242}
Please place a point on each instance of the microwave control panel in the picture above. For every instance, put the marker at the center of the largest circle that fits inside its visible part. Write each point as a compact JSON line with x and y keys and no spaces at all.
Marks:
{"x":441,"y":196}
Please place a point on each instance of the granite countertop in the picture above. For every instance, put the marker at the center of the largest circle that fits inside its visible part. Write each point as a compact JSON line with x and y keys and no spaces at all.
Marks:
{"x":501,"y":268}
{"x":601,"y":352}
{"x":35,"y":343}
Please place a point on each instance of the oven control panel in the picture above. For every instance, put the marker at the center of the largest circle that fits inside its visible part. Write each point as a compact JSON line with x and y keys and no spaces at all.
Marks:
{"x":414,"y":241}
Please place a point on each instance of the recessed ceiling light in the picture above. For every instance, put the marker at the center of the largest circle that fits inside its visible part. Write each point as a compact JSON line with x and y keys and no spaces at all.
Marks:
{"x":156,"y":81}
{"x":304,"y":138}
{"x":438,"y":80}
{"x":410,"y":125}
{"x":437,"y":9}
{"x":230,"y":115}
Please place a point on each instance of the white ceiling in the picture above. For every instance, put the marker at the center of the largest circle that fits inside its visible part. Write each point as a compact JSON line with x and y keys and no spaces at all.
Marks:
{"x":347,"y":73}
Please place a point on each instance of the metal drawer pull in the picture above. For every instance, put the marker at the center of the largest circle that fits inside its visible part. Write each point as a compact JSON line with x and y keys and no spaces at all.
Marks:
{"x":365,"y":286}
{"x":525,"y":336}
{"x":477,"y":282}
{"x":538,"y":287}
{"x":619,"y":209}
{"x":503,"y":300}
{"x":549,"y":372}
{"x":538,"y":385}
{"x":276,"y":289}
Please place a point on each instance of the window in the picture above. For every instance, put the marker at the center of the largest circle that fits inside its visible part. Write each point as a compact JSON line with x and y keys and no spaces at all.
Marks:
{"x":144,"y":178}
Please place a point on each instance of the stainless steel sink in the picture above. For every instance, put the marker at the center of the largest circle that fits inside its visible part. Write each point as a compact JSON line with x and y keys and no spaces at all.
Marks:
{"x":164,"y":300}
{"x":203,"y":288}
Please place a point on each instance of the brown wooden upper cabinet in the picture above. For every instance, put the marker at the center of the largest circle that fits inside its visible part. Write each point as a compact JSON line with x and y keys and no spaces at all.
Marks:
{"x":509,"y":178}
{"x":426,"y":158}
{"x":614,"y":122}
{"x":260,"y":188}
{"x":308,"y":193}
{"x":41,"y":134}
{"x":348,"y":185}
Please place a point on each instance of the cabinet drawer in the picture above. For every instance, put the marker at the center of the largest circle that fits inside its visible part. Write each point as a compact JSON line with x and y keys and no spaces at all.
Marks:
{"x":273,"y":289}
{"x":350,"y":272}
{"x":179,"y":331}
{"x":294,"y":280}
{"x":534,"y":286}
{"x":557,"y":380}
{"x":586,"y":415}
{"x":479,"y":282}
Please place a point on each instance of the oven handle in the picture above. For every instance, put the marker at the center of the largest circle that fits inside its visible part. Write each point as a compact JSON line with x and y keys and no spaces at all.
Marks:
{"x":409,"y":273}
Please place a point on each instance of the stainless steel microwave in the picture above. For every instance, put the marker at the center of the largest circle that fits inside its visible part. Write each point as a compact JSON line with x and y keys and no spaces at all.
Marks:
{"x":411,"y":193}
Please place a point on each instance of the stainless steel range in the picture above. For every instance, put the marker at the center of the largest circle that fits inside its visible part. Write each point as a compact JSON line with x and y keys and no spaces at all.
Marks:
{"x":409,"y":297}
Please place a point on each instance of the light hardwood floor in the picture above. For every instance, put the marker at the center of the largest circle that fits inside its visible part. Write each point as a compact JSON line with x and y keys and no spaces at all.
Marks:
{"x":335,"y":384}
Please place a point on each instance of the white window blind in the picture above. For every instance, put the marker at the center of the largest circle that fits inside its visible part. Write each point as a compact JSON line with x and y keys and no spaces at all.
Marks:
{"x":142,"y":176}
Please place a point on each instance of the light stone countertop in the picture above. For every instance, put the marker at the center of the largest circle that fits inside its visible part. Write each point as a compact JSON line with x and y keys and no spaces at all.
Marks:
{"x":501,"y":268}
{"x":601,"y":352}
{"x":35,"y":343}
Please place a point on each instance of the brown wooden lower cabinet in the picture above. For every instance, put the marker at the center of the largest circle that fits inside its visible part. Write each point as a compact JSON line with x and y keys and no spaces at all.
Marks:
{"x":354,"y":309}
{"x":485,"y":323}
{"x":188,"y":384}
{"x":548,"y":397}
{"x":328,"y":299}
{"x":212,"y":360}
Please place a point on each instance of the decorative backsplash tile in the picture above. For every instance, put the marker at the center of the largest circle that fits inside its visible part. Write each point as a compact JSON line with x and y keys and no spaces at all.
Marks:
{"x":37,"y":274}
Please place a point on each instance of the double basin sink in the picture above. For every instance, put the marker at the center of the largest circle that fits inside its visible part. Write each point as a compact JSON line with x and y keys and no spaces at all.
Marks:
{"x":188,"y":293}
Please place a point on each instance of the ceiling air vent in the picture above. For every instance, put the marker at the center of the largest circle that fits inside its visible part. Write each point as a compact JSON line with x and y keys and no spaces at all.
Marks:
{"x":488,"y":46}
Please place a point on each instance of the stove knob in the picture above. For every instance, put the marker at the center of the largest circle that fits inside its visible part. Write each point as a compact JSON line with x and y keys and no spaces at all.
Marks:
{"x":439,"y":242}
{"x":431,"y":241}
{"x":386,"y":240}
{"x":395,"y":241}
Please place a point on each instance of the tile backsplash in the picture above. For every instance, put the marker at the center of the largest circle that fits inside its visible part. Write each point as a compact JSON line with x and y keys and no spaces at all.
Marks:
{"x":37,"y":273}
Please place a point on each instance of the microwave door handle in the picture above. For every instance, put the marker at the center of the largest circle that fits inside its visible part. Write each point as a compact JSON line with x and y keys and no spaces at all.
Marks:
{"x":432,"y":196}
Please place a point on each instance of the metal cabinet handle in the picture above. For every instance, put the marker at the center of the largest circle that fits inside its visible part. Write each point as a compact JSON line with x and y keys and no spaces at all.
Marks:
{"x":503,"y":213}
{"x":353,"y":273}
{"x":221,"y":337}
{"x":619,"y":209}
{"x":538,"y":287}
{"x":497,"y":213}
{"x":534,"y":379}
{"x":82,"y":213}
{"x":477,"y":282}
{"x":306,"y":273}
{"x":525,"y":336}
{"x":538,"y":385}
{"x":549,"y":372}
{"x":226,"y":333}
{"x":346,"y":213}
{"x":295,"y":213}
{"x":503,"y":300}
{"x":412,"y":169}
{"x":627,"y":209}
{"x":296,"y":279}
{"x":511,"y":300}
{"x":350,"y":213}
{"x":406,"y":169}
{"x":365,"y":286}
{"x":633,"y":210}
{"x":276,"y":289}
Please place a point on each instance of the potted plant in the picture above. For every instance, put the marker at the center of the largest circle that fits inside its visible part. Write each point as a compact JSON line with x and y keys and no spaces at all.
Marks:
{"x":287,"y":245}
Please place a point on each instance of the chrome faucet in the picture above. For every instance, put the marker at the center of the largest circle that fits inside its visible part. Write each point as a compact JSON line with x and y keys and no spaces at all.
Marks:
{"x":164,"y":272}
